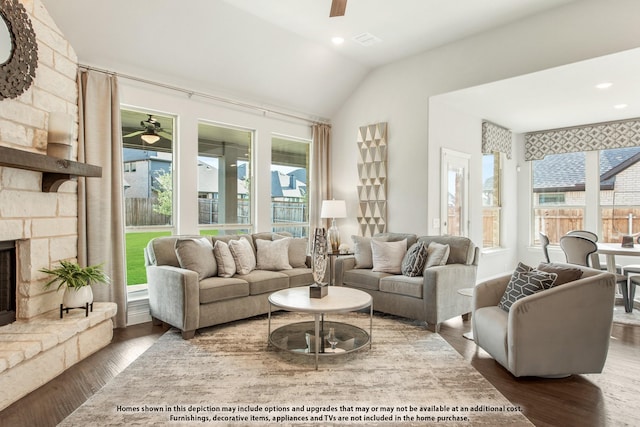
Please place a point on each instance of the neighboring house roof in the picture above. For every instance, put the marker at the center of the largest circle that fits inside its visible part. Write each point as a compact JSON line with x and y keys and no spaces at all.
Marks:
{"x":566,"y":172}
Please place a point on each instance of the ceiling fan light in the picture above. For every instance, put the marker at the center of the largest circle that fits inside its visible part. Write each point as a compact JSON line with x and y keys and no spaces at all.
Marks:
{"x":150,"y":138}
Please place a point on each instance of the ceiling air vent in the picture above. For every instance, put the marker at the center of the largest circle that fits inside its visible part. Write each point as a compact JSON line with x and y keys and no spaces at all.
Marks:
{"x":366,"y":39}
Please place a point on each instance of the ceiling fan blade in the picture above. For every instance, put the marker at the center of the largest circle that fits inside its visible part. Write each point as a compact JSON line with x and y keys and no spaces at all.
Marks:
{"x":164,"y":134}
{"x":133,"y":134}
{"x":338,"y":8}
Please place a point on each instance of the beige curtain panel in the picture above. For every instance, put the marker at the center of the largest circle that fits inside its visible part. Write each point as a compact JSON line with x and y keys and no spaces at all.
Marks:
{"x":319,"y":174}
{"x":100,"y":200}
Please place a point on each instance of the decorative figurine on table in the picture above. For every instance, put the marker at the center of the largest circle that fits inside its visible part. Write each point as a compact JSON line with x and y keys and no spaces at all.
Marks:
{"x":318,"y":264}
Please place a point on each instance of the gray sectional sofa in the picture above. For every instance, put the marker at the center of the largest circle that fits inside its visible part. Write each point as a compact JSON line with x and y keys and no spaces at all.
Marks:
{"x":187,"y":289}
{"x":431,"y":295}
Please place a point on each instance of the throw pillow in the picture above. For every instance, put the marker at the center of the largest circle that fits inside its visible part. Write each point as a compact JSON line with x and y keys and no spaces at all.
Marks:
{"x":388,"y":256}
{"x":298,"y":247}
{"x":224,"y":259}
{"x":243,"y":255}
{"x":273,"y":254}
{"x":196,"y":254}
{"x":362,"y":250}
{"x":437,"y":254}
{"x":565,"y":274}
{"x":415,"y":260}
{"x":525,"y":283}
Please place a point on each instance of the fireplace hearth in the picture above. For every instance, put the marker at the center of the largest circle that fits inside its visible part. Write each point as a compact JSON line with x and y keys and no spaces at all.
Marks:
{"x":7,"y":282}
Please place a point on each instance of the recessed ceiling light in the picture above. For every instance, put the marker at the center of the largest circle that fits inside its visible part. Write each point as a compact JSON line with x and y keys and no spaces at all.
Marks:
{"x":604,"y":85}
{"x":337,"y":40}
{"x":620,"y":106}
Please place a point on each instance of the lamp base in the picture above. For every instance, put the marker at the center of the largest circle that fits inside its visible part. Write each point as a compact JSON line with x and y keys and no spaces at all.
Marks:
{"x":334,"y":237}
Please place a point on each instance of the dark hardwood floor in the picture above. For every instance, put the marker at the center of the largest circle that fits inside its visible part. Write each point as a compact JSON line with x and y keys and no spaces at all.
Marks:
{"x":579,"y":400}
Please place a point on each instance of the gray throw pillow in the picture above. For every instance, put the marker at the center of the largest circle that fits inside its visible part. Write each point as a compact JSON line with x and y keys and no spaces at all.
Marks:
{"x":415,"y":260}
{"x":525,"y":281}
{"x":297,"y":250}
{"x":273,"y":254}
{"x":565,"y":274}
{"x":437,"y":254}
{"x":388,"y":256}
{"x":196,"y":254}
{"x":224,"y":259}
{"x":243,"y":255}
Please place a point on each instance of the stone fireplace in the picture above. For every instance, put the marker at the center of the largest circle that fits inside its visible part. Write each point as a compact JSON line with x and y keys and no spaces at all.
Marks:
{"x":41,"y":228}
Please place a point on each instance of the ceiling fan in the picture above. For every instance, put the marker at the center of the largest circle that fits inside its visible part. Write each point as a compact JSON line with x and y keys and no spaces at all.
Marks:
{"x":337,"y":8}
{"x":151,"y":132}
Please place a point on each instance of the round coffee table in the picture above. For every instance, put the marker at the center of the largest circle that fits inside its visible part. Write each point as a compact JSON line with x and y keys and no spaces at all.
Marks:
{"x":297,"y":337}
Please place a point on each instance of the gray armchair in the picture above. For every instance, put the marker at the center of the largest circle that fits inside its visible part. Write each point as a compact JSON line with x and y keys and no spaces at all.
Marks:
{"x":558,"y":332}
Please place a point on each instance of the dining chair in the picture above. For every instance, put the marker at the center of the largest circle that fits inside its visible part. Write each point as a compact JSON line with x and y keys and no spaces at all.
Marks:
{"x":633,"y":282}
{"x":582,"y":251}
{"x":544,"y":242}
{"x":584,"y":233}
{"x":593,"y":236}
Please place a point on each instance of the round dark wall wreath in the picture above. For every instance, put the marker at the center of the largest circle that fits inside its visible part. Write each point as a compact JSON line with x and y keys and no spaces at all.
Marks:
{"x":18,"y":72}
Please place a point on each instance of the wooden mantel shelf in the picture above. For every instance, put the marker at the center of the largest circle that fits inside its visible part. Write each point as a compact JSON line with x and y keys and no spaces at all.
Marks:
{"x":54,"y":171}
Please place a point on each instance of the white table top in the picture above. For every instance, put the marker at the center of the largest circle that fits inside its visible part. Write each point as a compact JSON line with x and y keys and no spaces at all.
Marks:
{"x":617,"y":249}
{"x":338,"y":299}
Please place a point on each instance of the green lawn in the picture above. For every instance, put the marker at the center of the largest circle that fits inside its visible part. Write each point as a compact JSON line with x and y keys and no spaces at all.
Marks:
{"x":136,"y":243}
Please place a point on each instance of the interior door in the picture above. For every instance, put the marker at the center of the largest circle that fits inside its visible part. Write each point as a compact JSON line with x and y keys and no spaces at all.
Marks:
{"x":454,"y":192}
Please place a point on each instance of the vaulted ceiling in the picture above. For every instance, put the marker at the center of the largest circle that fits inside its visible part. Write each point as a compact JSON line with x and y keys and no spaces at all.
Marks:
{"x":277,"y":52}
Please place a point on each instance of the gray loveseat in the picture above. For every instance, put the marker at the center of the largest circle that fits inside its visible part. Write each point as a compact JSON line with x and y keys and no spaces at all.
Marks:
{"x":431,"y":296}
{"x":197,"y":297}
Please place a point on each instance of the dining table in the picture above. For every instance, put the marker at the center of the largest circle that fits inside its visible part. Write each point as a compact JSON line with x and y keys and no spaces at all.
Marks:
{"x":610,"y":250}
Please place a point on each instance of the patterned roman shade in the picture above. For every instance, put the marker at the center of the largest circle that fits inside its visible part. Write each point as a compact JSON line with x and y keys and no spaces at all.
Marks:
{"x":496,"y":139}
{"x":599,"y":136}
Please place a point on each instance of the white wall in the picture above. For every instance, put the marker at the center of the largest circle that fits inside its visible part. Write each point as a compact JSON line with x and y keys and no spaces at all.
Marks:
{"x":189,"y":110}
{"x":399,"y":94}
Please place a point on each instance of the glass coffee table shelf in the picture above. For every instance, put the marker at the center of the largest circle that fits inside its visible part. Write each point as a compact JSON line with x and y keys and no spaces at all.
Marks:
{"x":300,"y":338}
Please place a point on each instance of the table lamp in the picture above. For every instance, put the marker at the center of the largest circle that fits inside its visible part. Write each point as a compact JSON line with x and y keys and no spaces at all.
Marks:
{"x":333,"y":209}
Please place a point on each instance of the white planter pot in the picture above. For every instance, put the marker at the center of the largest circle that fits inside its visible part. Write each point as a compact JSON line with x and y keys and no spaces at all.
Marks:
{"x":77,"y":297}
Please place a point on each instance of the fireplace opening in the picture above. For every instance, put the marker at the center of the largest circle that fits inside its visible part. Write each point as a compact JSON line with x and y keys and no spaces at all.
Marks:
{"x":7,"y":282}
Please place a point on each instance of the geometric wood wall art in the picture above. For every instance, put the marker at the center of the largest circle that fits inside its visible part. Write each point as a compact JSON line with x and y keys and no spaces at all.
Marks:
{"x":372,"y":173}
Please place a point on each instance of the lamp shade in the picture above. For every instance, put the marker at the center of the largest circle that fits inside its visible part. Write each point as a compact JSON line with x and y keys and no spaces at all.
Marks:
{"x":333,"y":209}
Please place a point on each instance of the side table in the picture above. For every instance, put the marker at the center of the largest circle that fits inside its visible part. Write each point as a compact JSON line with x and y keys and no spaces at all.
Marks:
{"x":468,"y":292}
{"x":330,"y":256}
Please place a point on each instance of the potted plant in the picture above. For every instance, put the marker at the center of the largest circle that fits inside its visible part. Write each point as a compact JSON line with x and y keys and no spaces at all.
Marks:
{"x":77,"y":282}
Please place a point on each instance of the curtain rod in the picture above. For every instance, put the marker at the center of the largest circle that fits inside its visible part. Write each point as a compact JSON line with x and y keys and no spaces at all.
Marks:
{"x":191,"y":93}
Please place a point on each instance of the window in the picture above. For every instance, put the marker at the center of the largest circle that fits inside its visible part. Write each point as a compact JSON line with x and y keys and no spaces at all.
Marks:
{"x":224,"y":179}
{"x":619,"y":192}
{"x":289,"y":185}
{"x":491,"y":203}
{"x":148,"y":184}
{"x":558,"y":183}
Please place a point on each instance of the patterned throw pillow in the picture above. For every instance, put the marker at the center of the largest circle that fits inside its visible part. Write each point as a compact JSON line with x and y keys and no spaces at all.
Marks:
{"x":525,"y":281}
{"x":415,"y":260}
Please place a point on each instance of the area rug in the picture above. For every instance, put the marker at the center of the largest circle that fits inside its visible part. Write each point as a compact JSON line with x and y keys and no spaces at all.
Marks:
{"x":228,"y":375}
{"x":620,"y":316}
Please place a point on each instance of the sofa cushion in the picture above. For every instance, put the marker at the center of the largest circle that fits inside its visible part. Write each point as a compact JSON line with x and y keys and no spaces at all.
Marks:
{"x":387,"y":256}
{"x":364,"y":279}
{"x":273,"y":254}
{"x":402,"y":285}
{"x":224,"y":259}
{"x":299,"y":276}
{"x":437,"y":254}
{"x":565,"y":273}
{"x":525,"y":281}
{"x":415,"y":260}
{"x":243,"y":255}
{"x":262,"y":281}
{"x":214,"y":289}
{"x":196,"y":254}
{"x":298,"y":247}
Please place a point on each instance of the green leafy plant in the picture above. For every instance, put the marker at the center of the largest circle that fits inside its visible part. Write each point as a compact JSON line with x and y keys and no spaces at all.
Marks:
{"x":71,"y":275}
